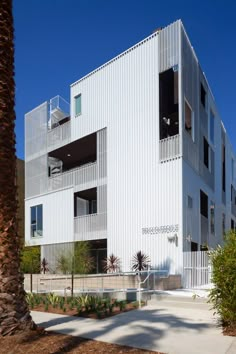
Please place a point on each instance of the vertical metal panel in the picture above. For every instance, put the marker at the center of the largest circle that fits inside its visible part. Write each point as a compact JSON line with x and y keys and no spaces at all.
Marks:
{"x":36,"y":132}
{"x":169,"y":46}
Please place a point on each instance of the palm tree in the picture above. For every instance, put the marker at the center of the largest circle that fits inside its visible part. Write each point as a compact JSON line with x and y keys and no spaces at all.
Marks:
{"x":14,"y":312}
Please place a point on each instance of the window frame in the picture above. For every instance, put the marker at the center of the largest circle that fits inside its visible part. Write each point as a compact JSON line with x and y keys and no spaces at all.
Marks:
{"x":75,"y":105}
{"x":34,"y":226}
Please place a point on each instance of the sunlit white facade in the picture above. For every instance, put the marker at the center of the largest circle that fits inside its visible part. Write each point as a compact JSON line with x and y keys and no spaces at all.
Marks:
{"x":139,"y":160}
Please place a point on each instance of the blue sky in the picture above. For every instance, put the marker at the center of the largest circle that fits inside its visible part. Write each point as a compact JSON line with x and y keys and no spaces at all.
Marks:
{"x":59,"y":41}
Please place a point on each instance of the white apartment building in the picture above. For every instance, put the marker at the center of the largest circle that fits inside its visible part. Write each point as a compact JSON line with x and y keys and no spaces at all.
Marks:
{"x":139,"y":159}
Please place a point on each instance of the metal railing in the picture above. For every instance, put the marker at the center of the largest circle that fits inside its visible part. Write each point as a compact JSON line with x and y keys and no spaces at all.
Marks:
{"x":78,"y":176}
{"x":90,"y":226}
{"x":59,"y":136}
{"x":97,"y":283}
{"x":169,"y":148}
{"x":59,"y":103}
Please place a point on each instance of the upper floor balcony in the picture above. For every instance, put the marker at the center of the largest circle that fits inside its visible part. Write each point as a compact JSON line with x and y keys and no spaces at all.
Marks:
{"x":59,"y":126}
{"x":83,"y":177}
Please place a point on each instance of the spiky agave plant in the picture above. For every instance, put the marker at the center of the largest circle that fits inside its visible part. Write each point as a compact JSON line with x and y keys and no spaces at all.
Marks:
{"x":111,"y":264}
{"x":140,"y":261}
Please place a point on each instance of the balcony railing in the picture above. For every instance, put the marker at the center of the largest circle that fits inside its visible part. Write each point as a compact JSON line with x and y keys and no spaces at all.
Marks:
{"x":79,"y":176}
{"x":90,"y":227}
{"x":169,"y":148}
{"x":59,"y":136}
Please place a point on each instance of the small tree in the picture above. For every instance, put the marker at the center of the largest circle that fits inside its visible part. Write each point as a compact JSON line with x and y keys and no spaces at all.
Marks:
{"x":111,"y":264}
{"x":64,"y":262}
{"x":83,"y":261}
{"x":77,"y":261}
{"x":140,"y":261}
{"x":223,"y":295}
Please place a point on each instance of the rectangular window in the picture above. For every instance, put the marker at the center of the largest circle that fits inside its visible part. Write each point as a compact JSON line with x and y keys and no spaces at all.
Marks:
{"x":212,"y":126}
{"x":188,"y":119}
{"x":223,"y":167}
{"x":212,"y":220}
{"x":203,"y":204}
{"x":36,"y":220}
{"x":78,"y":105}
{"x":232,"y":224}
{"x":223,"y":223}
{"x":203,"y":96}
{"x":205,"y":152}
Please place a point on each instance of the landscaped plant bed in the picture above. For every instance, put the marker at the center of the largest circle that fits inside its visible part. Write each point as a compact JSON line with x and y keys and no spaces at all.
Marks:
{"x":229,"y":331}
{"x":41,"y":342}
{"x":87,"y":306}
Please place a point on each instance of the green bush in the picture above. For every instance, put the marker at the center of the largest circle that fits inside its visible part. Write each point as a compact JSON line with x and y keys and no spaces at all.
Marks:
{"x":30,"y":259}
{"x":223,"y":295}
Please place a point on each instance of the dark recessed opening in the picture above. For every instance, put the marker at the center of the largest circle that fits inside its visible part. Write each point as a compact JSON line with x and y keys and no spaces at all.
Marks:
{"x":168,"y":103}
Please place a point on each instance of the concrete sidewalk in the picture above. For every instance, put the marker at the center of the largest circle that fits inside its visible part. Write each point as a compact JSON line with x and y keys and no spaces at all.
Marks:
{"x":163,"y":327}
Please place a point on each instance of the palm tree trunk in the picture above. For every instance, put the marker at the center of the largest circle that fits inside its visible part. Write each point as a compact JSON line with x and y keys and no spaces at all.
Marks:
{"x":14,"y":312}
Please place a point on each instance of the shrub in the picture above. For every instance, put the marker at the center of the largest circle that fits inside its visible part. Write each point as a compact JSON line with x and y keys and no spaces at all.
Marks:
{"x":30,"y":259}
{"x":223,"y":295}
{"x":111,"y":264}
{"x":140,"y":261}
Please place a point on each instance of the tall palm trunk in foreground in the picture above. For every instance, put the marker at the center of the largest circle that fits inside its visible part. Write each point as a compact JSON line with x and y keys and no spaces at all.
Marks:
{"x":14,"y":312}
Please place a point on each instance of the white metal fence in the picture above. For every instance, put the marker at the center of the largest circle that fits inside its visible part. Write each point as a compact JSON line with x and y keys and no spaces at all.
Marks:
{"x":196,"y":269}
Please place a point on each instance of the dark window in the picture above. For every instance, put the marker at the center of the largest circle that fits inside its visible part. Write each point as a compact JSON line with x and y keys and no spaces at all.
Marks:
{"x":223,"y":223}
{"x":168,"y":103}
{"x":223,"y":167}
{"x":232,"y":224}
{"x":203,"y":96}
{"x":203,"y":204}
{"x":212,"y":126}
{"x":36,"y":220}
{"x":212,"y":217}
{"x":194,"y":246}
{"x":206,"y":152}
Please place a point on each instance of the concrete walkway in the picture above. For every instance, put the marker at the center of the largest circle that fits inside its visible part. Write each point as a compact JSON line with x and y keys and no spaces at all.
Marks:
{"x":170,"y":327}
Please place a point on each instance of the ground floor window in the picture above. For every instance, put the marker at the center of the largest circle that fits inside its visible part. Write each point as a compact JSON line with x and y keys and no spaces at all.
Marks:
{"x":36,"y":220}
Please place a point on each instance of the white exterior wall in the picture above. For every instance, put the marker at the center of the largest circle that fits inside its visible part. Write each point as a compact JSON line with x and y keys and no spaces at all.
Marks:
{"x":124,"y":97}
{"x":58,"y":218}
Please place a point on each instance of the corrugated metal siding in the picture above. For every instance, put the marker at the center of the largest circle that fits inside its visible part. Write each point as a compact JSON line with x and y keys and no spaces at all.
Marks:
{"x":123,"y":97}
{"x":58,"y":217}
{"x":169,"y":46}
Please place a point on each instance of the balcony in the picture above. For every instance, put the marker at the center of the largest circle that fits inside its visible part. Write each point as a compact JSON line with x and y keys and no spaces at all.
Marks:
{"x":169,"y":148}
{"x":84,"y":176}
{"x":90,"y":227}
{"x":59,"y":128}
